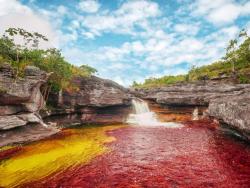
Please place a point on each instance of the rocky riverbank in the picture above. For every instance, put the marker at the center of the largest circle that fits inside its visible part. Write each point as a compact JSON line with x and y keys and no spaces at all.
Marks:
{"x":99,"y":101}
{"x":24,"y":116}
{"x":228,"y":103}
{"x":233,"y":112}
{"x":20,"y":103}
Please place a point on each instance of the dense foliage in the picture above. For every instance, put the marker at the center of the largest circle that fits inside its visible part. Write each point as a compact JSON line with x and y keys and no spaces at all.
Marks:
{"x":235,"y":63}
{"x":165,"y":80}
{"x":50,"y":60}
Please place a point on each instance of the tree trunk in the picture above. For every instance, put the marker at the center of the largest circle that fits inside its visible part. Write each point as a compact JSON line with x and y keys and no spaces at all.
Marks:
{"x":233,"y":67}
{"x":47,"y":93}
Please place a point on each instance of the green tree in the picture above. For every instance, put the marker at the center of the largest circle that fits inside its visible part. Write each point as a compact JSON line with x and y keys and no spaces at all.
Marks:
{"x":232,"y":52}
{"x":87,"y":70}
{"x":50,"y":60}
{"x":231,"y":55}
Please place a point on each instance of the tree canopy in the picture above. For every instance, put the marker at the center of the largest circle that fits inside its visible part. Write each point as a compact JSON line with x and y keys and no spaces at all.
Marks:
{"x":236,"y":61}
{"x":49,"y":60}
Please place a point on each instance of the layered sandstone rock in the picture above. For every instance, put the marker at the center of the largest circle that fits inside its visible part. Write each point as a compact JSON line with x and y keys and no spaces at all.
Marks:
{"x":20,"y":98}
{"x":97,"y":101}
{"x":20,"y":103}
{"x":234,"y":111}
{"x":229,"y":103}
{"x":192,"y":94}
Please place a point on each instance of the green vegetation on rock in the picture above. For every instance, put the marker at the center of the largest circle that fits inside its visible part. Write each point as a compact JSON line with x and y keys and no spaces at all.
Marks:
{"x":49,"y":60}
{"x":235,"y":64}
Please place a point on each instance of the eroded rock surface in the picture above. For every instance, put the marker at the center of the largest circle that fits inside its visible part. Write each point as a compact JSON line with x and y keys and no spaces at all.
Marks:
{"x":234,"y":111}
{"x":229,"y":103}
{"x":20,"y":103}
{"x":27,"y":133}
{"x":20,"y":98}
{"x":98,"y":101}
{"x":192,"y":94}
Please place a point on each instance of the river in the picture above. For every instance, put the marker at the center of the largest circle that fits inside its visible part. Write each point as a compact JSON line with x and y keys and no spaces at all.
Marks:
{"x":190,"y":154}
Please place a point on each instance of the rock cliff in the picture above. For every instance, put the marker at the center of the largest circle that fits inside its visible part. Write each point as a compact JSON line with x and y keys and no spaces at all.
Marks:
{"x":229,"y":103}
{"x":96,"y":101}
{"x":233,"y":111}
{"x":20,"y":102}
{"x":191,"y":94}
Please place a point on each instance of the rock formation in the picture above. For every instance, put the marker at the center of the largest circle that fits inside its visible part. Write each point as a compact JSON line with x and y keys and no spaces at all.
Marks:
{"x":20,"y":101}
{"x":96,"y":101}
{"x":229,"y":103}
{"x":233,"y":111}
{"x":191,"y":94}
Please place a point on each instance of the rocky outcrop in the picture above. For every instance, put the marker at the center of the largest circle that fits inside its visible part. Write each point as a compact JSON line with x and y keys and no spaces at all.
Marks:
{"x":27,"y":133}
{"x":191,"y":94}
{"x":229,"y":103}
{"x":20,"y":100}
{"x":95,"y":101}
{"x":234,"y":111}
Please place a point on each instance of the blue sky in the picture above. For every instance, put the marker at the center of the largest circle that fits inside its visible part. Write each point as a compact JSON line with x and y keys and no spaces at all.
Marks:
{"x":127,"y":40}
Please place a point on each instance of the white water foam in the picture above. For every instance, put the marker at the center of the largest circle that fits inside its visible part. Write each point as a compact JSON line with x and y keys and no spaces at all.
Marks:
{"x":195,"y":115}
{"x":144,"y":117}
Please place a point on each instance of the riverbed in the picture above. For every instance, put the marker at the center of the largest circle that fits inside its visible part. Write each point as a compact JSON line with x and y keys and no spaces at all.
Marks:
{"x":194,"y":155}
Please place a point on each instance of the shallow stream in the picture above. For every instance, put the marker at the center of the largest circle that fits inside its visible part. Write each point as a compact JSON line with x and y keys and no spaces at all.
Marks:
{"x":196,"y":154}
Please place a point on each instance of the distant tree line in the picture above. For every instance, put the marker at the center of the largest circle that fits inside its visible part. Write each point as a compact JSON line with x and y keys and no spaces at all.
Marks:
{"x":235,"y":63}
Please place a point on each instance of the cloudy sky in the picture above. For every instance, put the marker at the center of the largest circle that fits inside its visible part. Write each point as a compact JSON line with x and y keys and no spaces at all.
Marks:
{"x":127,"y":40}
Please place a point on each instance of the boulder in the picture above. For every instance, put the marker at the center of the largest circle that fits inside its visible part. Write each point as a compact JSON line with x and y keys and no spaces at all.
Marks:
{"x":234,"y":111}
{"x":96,"y":101}
{"x":15,"y":91}
{"x":12,"y":121}
{"x":9,"y":122}
{"x":10,"y":109}
{"x":97,"y":92}
{"x":27,"y":133}
{"x":20,"y":98}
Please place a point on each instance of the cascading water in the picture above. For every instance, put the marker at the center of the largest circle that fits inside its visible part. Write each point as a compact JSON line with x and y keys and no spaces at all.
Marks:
{"x":143,"y":116}
{"x":195,"y":115}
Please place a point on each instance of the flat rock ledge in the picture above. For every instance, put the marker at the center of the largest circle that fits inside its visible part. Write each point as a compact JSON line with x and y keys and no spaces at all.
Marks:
{"x":229,"y":103}
{"x":27,"y":133}
{"x":234,"y":111}
{"x":12,"y":121}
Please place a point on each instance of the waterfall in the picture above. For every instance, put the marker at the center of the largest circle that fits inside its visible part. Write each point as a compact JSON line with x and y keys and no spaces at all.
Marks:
{"x":195,"y":114}
{"x":140,"y":106}
{"x":143,"y":115}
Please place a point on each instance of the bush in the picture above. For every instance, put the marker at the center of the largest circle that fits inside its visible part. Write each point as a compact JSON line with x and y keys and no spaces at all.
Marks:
{"x":50,"y":60}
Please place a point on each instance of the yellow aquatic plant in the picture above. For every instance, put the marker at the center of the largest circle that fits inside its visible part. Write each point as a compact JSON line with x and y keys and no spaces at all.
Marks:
{"x":43,"y":158}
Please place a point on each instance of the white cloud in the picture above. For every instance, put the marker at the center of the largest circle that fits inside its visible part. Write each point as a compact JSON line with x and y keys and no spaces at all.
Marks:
{"x":225,"y":14}
{"x":220,"y":12}
{"x":187,"y":28}
{"x":246,"y":9}
{"x":62,"y":10}
{"x":157,"y":45}
{"x":123,"y":20}
{"x":89,"y":6}
{"x":14,"y":14}
{"x":154,"y":56}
